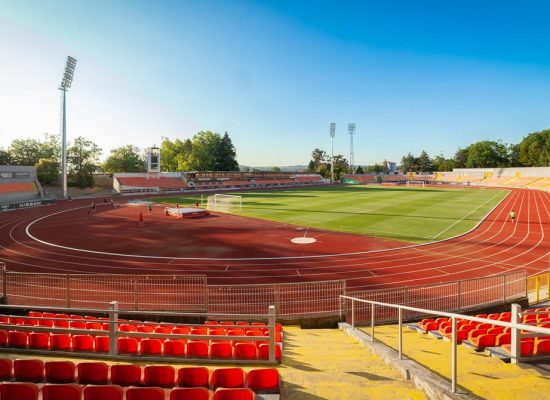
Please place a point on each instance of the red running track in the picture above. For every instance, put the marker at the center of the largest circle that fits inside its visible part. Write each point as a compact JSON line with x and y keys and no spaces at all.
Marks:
{"x":67,"y":238}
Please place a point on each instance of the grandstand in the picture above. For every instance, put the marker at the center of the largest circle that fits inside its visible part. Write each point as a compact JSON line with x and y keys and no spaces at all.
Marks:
{"x":19,"y":183}
{"x":130,"y":183}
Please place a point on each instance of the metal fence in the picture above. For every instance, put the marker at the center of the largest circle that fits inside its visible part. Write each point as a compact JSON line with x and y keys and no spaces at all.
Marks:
{"x":538,"y":288}
{"x":449,"y":296}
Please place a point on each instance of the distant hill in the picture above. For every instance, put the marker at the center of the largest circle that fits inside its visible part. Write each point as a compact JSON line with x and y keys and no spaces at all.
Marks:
{"x":285,"y":168}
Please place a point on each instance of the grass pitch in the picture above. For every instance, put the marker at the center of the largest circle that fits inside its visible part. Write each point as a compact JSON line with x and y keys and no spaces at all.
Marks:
{"x":416,"y":215}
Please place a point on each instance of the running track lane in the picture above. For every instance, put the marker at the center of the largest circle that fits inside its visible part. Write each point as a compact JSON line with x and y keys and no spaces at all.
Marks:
{"x":496,"y":246}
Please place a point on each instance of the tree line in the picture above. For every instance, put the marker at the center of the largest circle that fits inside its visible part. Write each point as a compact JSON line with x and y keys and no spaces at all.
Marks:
{"x":206,"y":151}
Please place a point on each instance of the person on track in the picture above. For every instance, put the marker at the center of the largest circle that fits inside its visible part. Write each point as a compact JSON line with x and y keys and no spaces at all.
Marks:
{"x":141,"y":219}
{"x":197,"y":204}
{"x":149,"y":209}
{"x":512,"y":216}
{"x":93,"y":206}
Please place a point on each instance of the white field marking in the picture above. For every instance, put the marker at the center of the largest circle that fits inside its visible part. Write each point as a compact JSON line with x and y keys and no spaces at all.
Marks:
{"x":298,"y":272}
{"x":227,"y":267}
{"x":462,"y":219}
{"x":305,"y":233}
{"x":443,"y":272}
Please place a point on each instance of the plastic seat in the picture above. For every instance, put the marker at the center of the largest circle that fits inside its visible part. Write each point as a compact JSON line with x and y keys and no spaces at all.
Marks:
{"x":103,"y":392}
{"x":83,"y":343}
{"x":60,"y":371}
{"x":264,"y":380}
{"x":60,"y":323}
{"x":174,"y":347}
{"x":77,"y":325}
{"x":145,"y":393}
{"x":90,"y":318}
{"x":60,"y":341}
{"x":193,"y":377}
{"x":197,"y":348}
{"x":475,"y":333}
{"x":165,"y":330}
{"x":227,"y":378}
{"x":28,"y":370}
{"x":17,"y":339}
{"x":245,"y":351}
{"x":127,"y":328}
{"x":151,"y":346}
{"x":67,"y":391}
{"x":94,"y":325}
{"x":484,"y":340}
{"x":159,"y":375}
{"x":263,"y":352}
{"x":181,"y":330}
{"x":95,"y":373}
{"x":503,"y":338}
{"x":126,"y":374}
{"x":19,"y":391}
{"x":3,"y":338}
{"x":227,"y":323}
{"x":526,"y":348}
{"x":145,"y":328}
{"x":6,"y":366}
{"x":199,"y":331}
{"x":191,"y":393}
{"x":211,"y":323}
{"x":127,"y":345}
{"x":102,"y":344}
{"x":542,"y":347}
{"x":221,"y":350}
{"x":234,"y":394}
{"x":35,"y":314}
{"x":39,"y":340}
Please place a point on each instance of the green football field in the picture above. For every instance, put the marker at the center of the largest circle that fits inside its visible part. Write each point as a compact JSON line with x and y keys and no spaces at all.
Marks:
{"x":415,"y":215}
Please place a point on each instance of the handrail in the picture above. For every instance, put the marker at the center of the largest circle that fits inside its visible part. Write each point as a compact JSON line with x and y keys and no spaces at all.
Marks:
{"x":516,"y":328}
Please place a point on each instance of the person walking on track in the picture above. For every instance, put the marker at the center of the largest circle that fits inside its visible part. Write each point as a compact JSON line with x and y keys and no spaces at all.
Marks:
{"x":512,"y":216}
{"x":141,"y":219}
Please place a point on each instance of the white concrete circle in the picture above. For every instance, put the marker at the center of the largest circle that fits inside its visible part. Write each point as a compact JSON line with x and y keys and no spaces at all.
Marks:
{"x":303,"y":240}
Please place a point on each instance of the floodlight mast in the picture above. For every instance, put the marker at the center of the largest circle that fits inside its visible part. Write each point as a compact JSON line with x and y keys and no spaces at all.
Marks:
{"x":351,"y":131}
{"x":332,"y":134}
{"x":66,"y":81}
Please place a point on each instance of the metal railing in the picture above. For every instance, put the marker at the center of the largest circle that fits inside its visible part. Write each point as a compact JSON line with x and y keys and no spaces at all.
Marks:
{"x":114,"y":333}
{"x":538,"y":288}
{"x":514,"y":325}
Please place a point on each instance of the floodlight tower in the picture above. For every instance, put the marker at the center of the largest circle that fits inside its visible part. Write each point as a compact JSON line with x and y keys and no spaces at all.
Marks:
{"x":351,"y":131}
{"x":332,"y":134}
{"x":68,"y":75}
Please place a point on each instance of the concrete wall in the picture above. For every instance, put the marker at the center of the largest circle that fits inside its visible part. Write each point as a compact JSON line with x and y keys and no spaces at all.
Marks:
{"x":12,"y":173}
{"x":497,"y":172}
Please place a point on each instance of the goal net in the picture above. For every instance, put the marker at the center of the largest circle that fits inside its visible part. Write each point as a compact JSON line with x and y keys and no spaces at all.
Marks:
{"x":416,"y":183}
{"x":224,"y":203}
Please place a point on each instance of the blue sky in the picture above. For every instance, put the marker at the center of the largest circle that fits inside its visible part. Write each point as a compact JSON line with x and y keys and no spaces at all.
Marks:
{"x":413,"y":75}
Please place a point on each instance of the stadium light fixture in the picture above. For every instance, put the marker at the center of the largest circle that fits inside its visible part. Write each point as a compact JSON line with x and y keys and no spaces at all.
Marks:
{"x":332,"y":134}
{"x":65,"y":84}
{"x":351,"y":131}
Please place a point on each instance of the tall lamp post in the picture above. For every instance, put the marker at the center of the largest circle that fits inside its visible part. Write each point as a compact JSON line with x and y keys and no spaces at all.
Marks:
{"x":68,"y":75}
{"x":332,"y":134}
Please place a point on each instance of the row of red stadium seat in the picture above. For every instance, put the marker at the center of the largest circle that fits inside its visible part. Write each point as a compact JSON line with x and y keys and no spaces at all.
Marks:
{"x":13,"y":187}
{"x":264,"y":380}
{"x":31,"y":391}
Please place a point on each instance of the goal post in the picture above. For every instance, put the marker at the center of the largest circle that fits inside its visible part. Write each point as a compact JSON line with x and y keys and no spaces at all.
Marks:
{"x":224,"y":203}
{"x":415,"y":183}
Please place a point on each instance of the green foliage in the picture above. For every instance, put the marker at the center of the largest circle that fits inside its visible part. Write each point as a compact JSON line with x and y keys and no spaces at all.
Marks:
{"x":275,"y":169}
{"x":359,"y":170}
{"x":461,"y":156}
{"x":409,"y":163}
{"x":25,"y":152}
{"x":174,"y":156}
{"x":341,"y":167}
{"x":47,"y":171}
{"x":5,"y":158}
{"x":320,"y":163}
{"x":424,"y":162}
{"x":534,"y":149}
{"x":125,"y":159}
{"x":375,"y":169}
{"x":487,"y":154}
{"x":225,"y":155}
{"x":83,"y":160}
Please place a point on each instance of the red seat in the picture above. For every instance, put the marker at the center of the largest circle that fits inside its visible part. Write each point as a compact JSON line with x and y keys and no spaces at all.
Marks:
{"x":199,"y":331}
{"x":503,"y":338}
{"x":39,"y":340}
{"x":163,"y":329}
{"x":174,"y":347}
{"x":19,"y":391}
{"x":127,"y":345}
{"x":145,"y":393}
{"x":127,"y":328}
{"x":102,"y":344}
{"x":542,"y":347}
{"x":245,"y":351}
{"x":159,"y":375}
{"x":3,"y":338}
{"x":103,"y":392}
{"x":197,"y":348}
{"x":83,"y":343}
{"x":28,"y":370}
{"x":126,"y":374}
{"x":95,"y":373}
{"x":211,"y":323}
{"x":60,"y":341}
{"x":77,"y":325}
{"x":526,"y":348}
{"x":65,"y":391}
{"x":35,"y":314}
{"x":6,"y":366}
{"x":263,"y":352}
{"x":234,"y":394}
{"x":264,"y":380}
{"x":95,"y":326}
{"x":60,"y":323}
{"x":151,"y":346}
{"x":17,"y":339}
{"x":181,"y":330}
{"x":221,"y":350}
{"x":90,"y":318}
{"x":193,"y":377}
{"x":60,"y":371}
{"x":484,"y":340}
{"x":191,"y":393}
{"x":475,"y":333}
{"x":145,"y":328}
{"x":227,"y":323}
{"x":227,"y":378}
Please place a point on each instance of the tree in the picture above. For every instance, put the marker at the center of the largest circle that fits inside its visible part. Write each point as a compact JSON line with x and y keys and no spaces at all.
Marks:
{"x":320,"y":163}
{"x":125,"y":159}
{"x":225,"y":157}
{"x":205,"y":146}
{"x":341,"y":167}
{"x":513,"y":155}
{"x":25,"y":151}
{"x":461,"y":156}
{"x":359,"y":170}
{"x":409,"y":163}
{"x":83,"y":160}
{"x":47,"y":171}
{"x":424,"y":162}
{"x":275,"y":169}
{"x":5,"y":158}
{"x":487,"y":154}
{"x":534,"y":149}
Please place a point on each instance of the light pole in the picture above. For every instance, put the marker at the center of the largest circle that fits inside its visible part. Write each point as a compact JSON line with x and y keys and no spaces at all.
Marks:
{"x":68,"y":75}
{"x":351,"y":132}
{"x":332,"y":134}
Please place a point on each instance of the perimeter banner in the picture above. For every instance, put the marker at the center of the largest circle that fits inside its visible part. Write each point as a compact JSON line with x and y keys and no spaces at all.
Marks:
{"x":26,"y":204}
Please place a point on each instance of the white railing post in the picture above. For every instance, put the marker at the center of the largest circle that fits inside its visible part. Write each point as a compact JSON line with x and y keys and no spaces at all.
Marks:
{"x":271,"y":326}
{"x":453,"y":356}
{"x":400,"y":333}
{"x":515,"y":335}
{"x":372,"y":323}
{"x":113,"y":327}
{"x":353,"y":314}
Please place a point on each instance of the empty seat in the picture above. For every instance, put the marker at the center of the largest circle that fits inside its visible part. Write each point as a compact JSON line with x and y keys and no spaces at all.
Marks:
{"x":60,"y":371}
{"x":174,"y":347}
{"x":94,"y":325}
{"x":542,"y":347}
{"x":145,"y":393}
{"x":102,"y":344}
{"x":245,"y":351}
{"x":77,"y":325}
{"x":103,"y":392}
{"x":3,"y":338}
{"x":39,"y":340}
{"x":6,"y":366}
{"x":95,"y":373}
{"x":145,"y":328}
{"x":526,"y":348}
{"x":221,"y":350}
{"x":197,"y":348}
{"x":264,"y":380}
{"x":191,"y":393}
{"x":19,"y":391}
{"x":234,"y":394}
{"x":484,"y":340}
{"x":193,"y":377}
{"x":127,"y":345}
{"x":159,"y":375}
{"x":127,"y":328}
{"x":181,"y":330}
{"x":227,"y":378}
{"x":83,"y":343}
{"x":28,"y":370}
{"x":66,"y":391}
{"x":503,"y":338}
{"x":163,"y":329}
{"x":151,"y":346}
{"x":126,"y":374}
{"x":60,"y":341}
{"x":263,"y":352}
{"x":17,"y":339}
{"x":35,"y":314}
